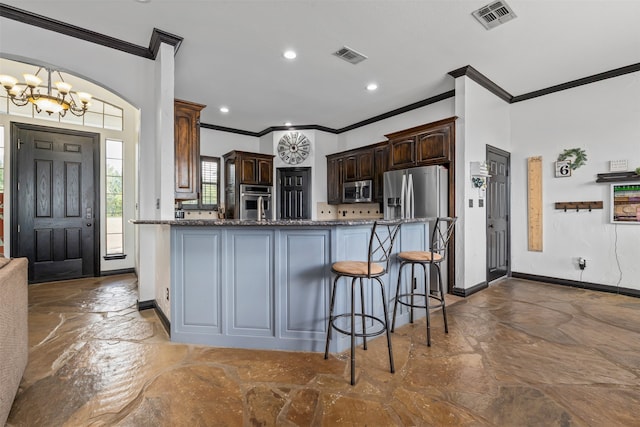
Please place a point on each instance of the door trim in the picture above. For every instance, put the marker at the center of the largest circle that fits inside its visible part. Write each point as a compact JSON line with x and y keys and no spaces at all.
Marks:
{"x":500,"y":152}
{"x":16,"y":127}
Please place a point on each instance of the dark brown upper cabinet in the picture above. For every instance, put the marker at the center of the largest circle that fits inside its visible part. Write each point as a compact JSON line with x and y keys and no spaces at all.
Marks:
{"x":187,"y":149}
{"x":335,"y":178}
{"x":249,"y":168}
{"x":429,"y":144}
{"x":380,"y":166}
{"x":353,"y":165}
{"x":358,"y":165}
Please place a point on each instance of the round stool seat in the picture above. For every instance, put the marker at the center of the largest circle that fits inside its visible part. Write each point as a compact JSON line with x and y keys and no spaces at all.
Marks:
{"x":356,"y":268}
{"x":420,"y":256}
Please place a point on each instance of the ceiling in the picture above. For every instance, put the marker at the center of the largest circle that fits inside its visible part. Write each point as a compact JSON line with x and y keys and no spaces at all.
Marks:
{"x":232,"y":50}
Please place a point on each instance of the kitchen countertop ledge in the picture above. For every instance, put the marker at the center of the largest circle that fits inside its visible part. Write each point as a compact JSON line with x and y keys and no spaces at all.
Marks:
{"x":272,"y":223}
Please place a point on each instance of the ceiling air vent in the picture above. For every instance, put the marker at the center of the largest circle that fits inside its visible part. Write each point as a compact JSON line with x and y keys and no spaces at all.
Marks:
{"x":350,"y":55}
{"x":494,"y":14}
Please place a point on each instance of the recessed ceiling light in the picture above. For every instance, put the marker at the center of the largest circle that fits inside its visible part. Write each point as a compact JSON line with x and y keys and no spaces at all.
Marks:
{"x":371,"y":87}
{"x":287,"y":123}
{"x":143,"y":1}
{"x":224,"y":109}
{"x":290,"y":54}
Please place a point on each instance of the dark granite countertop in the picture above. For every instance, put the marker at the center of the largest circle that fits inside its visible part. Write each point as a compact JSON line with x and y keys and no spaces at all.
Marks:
{"x":269,"y":223}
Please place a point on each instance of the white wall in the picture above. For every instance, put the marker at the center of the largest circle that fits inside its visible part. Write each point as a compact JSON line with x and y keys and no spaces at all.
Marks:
{"x":216,"y":144}
{"x":483,"y":119}
{"x":131,"y":77}
{"x":603,"y":119}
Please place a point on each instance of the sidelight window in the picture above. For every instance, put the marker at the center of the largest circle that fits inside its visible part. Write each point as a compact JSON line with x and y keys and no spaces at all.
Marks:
{"x":210,"y":181}
{"x":114,"y":217}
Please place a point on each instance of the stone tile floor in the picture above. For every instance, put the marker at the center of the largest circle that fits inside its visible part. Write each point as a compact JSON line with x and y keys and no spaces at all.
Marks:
{"x":519,"y":353}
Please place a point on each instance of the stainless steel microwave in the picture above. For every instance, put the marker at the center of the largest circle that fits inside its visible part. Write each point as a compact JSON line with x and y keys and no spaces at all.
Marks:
{"x":357,"y":192}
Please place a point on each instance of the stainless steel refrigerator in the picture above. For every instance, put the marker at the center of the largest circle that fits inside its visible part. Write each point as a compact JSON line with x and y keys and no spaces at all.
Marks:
{"x":416,"y":193}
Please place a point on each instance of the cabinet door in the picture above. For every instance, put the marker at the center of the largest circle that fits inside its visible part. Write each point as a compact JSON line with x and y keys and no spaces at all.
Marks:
{"x":248,"y":167}
{"x":434,"y":146}
{"x":403,"y":153}
{"x":265,"y":171}
{"x":381,"y":165}
{"x":187,"y":152}
{"x":365,"y":164}
{"x":350,"y":168}
{"x":335,"y":171}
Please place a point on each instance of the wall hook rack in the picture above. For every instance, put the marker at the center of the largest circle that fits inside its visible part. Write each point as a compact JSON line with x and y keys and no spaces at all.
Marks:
{"x":579,"y":205}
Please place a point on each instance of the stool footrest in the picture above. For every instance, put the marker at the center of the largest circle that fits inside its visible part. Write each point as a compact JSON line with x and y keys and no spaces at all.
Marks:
{"x":374,"y":333}
{"x":408,"y":304}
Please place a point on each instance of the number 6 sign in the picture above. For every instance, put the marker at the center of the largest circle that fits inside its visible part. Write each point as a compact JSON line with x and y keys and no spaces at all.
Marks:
{"x":563,"y":169}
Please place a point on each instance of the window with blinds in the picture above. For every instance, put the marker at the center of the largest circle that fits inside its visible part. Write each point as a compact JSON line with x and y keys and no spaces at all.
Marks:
{"x":209,"y":185}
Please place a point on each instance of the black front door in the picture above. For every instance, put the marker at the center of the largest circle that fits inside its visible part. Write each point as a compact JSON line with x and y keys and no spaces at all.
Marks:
{"x":54,"y":205}
{"x":294,"y":193}
{"x":498,"y":202}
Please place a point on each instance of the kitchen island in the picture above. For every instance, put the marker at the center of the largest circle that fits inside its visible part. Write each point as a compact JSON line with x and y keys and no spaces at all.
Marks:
{"x":265,"y":284}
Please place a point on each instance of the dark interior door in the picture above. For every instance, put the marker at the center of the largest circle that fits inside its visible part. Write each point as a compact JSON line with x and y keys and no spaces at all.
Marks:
{"x":54,"y":202}
{"x":294,"y":193}
{"x":498,"y":202}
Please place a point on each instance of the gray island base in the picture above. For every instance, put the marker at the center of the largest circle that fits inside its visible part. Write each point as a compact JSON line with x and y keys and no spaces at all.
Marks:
{"x":265,"y":285}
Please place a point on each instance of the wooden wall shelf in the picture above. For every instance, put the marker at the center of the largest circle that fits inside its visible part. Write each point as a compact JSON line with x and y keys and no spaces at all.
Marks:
{"x":618,"y":177}
{"x":579,"y":205}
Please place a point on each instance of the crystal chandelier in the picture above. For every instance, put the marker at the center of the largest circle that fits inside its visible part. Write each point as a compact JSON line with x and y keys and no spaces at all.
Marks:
{"x":23,"y":93}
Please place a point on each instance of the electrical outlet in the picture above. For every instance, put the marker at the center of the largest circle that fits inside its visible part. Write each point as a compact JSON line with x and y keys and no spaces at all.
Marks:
{"x":167,"y":294}
{"x":582,"y":263}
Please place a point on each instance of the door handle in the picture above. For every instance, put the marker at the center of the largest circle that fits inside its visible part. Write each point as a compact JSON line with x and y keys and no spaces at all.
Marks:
{"x":490,"y":225}
{"x":89,"y":224}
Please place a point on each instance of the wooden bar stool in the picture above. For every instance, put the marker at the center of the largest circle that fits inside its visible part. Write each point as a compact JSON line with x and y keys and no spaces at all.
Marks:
{"x":383,"y":235}
{"x":433,"y":258}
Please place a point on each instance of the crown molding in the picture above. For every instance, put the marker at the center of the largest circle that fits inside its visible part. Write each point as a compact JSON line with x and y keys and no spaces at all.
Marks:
{"x":406,"y":108}
{"x":29,"y":18}
{"x":483,"y":81}
{"x":228,"y":129}
{"x":302,"y":127}
{"x":159,"y":36}
{"x":401,"y":110}
{"x":579,"y":82}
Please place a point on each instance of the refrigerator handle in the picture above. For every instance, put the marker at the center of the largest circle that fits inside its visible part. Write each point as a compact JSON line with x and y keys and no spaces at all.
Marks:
{"x":403,"y":194}
{"x":410,"y":198}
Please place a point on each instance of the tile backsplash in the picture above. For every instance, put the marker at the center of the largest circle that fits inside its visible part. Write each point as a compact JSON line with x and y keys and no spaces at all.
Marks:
{"x":326,"y":211}
{"x":194,"y":214}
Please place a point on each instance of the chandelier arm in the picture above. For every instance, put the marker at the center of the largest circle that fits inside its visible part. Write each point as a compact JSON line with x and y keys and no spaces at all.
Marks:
{"x":19,"y":101}
{"x":79,"y":112}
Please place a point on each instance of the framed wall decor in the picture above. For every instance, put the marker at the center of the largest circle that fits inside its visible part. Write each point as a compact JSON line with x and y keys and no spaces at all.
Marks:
{"x":563,"y":168}
{"x":625,"y":203}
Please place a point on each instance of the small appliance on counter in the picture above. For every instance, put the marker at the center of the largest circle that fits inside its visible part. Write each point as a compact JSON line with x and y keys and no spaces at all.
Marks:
{"x":357,"y":192}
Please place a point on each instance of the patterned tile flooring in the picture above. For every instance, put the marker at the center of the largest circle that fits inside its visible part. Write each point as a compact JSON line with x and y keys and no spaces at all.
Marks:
{"x":518,"y":353}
